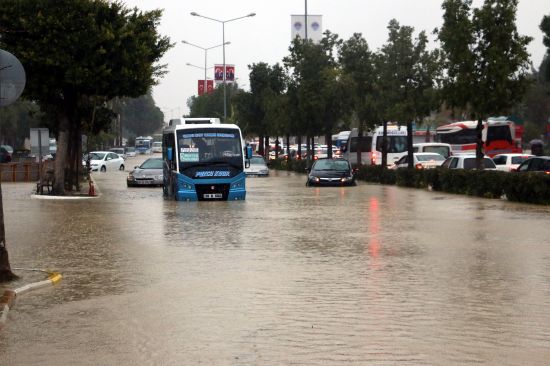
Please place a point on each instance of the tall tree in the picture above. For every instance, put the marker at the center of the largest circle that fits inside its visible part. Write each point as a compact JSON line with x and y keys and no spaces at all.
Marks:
{"x":139,"y":116}
{"x":252,"y":109}
{"x":357,"y":63}
{"x":410,"y":74}
{"x":545,"y":28}
{"x":319,"y":89}
{"x":75,"y":50}
{"x":486,"y":59}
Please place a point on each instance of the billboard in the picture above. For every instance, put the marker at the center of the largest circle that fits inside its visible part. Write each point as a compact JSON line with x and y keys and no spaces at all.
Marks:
{"x":314,"y":27}
{"x":209,"y":87}
{"x":229,"y":73}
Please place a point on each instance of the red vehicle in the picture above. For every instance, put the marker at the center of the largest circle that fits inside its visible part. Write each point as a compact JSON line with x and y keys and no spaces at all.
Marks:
{"x":500,"y":136}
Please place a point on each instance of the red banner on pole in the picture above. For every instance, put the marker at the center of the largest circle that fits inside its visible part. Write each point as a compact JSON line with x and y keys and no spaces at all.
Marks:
{"x":200,"y":87}
{"x":209,"y":87}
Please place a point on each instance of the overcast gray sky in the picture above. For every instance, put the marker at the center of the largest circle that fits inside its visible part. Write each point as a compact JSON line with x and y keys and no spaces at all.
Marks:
{"x":266,"y":37}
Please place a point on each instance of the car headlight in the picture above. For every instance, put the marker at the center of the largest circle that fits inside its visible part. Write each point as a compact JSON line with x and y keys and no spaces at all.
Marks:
{"x":346,"y":179}
{"x":315,"y":179}
{"x":159,"y":177}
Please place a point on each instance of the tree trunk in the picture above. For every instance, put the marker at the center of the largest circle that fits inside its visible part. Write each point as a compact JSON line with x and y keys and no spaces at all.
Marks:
{"x":479,"y":145}
{"x":277,"y":148}
{"x":288,"y":146}
{"x":61,"y":156}
{"x":308,"y":151}
{"x":266,"y":149}
{"x":261,"y":146}
{"x":359,"y":146}
{"x":328,"y":138}
{"x":410,"y":157}
{"x":428,"y":136}
{"x":299,"y":138}
{"x":384,"y":145}
{"x":5,"y":269}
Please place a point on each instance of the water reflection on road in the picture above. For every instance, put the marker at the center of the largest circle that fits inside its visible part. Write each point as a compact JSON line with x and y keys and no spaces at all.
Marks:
{"x":293,"y":275}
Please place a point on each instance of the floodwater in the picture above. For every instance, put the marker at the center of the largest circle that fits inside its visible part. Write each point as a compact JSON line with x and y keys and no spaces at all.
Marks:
{"x":366,"y":275}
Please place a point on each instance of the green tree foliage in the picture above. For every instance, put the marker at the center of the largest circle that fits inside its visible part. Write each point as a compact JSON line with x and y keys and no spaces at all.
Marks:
{"x":255,"y":111}
{"x":16,"y":120}
{"x":81,"y":53}
{"x":140,"y":116}
{"x":209,"y":104}
{"x":320,"y":94}
{"x":486,"y":59}
{"x":358,"y":66}
{"x":409,"y":74}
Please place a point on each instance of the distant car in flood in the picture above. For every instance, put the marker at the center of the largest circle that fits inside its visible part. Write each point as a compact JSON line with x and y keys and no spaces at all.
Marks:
{"x":130,"y":151}
{"x":538,"y":164}
{"x":510,"y":162}
{"x":157,"y":147}
{"x":467,"y":162}
{"x":149,"y":173}
{"x":258,"y":167}
{"x":103,"y":161}
{"x":420,"y":161}
{"x":331,"y":172}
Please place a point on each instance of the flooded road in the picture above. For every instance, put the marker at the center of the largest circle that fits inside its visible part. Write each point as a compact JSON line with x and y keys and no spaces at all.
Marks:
{"x":366,"y":275}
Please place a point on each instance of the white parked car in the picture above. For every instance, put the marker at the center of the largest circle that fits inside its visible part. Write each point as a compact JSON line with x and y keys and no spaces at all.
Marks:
{"x":421,"y":161}
{"x":510,"y":162}
{"x":103,"y":161}
{"x":130,"y":151}
{"x":467,"y":162}
{"x":257,"y":167}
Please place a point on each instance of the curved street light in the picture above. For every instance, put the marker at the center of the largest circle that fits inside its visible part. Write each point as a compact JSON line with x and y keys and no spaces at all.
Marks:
{"x":223,"y":40}
{"x":205,"y":49}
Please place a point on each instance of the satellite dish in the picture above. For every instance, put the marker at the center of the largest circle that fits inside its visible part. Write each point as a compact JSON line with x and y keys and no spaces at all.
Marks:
{"x":12,"y":78}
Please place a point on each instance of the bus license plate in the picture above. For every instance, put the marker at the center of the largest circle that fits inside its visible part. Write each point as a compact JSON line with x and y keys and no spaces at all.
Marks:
{"x":212,"y":195}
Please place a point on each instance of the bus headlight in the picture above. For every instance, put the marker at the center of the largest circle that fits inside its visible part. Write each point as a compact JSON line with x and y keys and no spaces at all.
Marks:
{"x":239,"y":184}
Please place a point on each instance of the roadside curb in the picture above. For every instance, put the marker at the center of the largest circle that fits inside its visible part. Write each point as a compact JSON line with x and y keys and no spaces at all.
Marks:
{"x":92,"y":193}
{"x":7,"y":300}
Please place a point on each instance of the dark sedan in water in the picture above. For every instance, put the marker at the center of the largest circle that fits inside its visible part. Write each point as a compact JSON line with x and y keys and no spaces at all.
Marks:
{"x":149,"y":173}
{"x":331,"y":172}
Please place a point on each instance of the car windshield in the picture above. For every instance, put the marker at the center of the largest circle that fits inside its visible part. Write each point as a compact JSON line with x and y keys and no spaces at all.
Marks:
{"x":470,"y":163}
{"x":97,"y":156}
{"x":435,"y":157}
{"x":519,"y":159}
{"x":151,"y":164}
{"x":327,"y":164}
{"x":442,"y":150}
{"x":130,"y":149}
{"x":257,"y":160}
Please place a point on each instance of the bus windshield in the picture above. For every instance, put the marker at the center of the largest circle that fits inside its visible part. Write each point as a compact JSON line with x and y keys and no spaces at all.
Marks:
{"x":204,"y":147}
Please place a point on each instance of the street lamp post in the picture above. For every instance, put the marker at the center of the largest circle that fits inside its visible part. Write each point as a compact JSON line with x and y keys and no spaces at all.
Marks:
{"x":223,"y":43}
{"x":205,"y":49}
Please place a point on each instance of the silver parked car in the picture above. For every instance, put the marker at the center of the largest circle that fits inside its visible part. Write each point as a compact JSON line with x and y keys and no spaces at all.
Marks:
{"x":149,"y":173}
{"x":258,"y":167}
